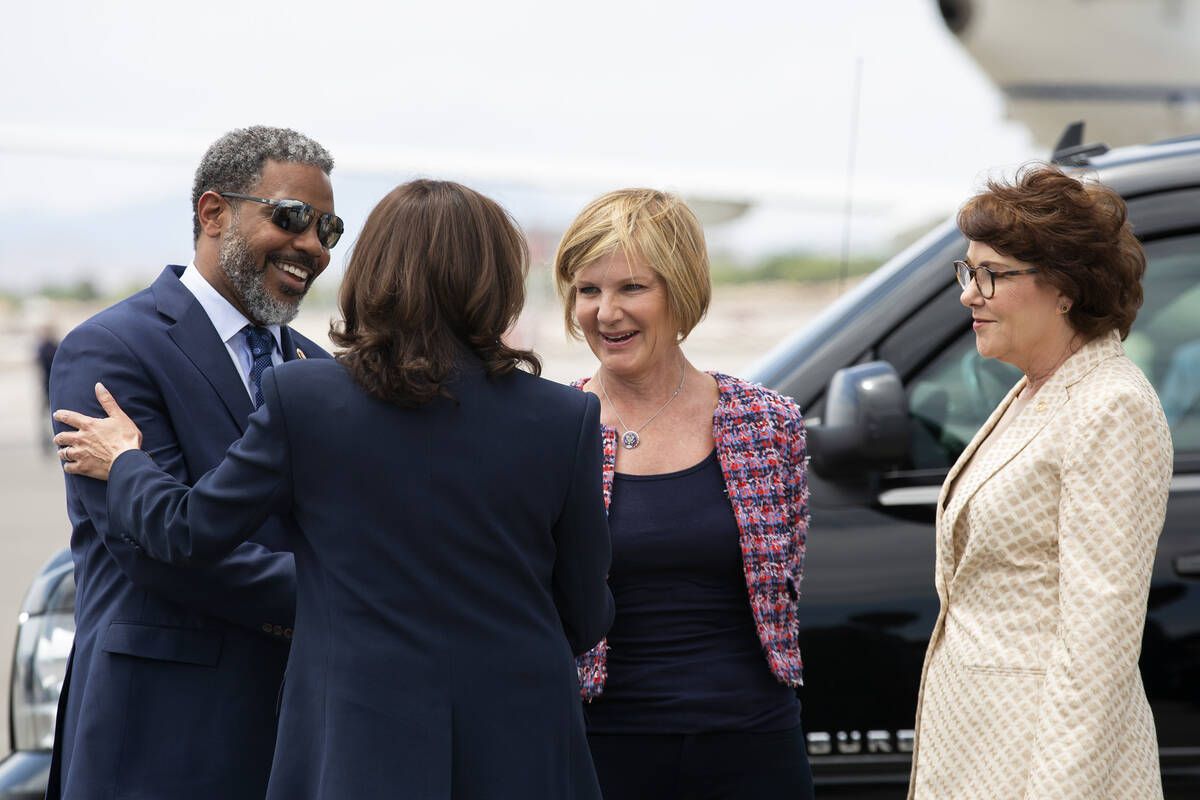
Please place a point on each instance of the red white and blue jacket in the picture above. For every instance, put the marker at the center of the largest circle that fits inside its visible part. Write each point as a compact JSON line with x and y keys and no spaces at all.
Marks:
{"x":760,"y":445}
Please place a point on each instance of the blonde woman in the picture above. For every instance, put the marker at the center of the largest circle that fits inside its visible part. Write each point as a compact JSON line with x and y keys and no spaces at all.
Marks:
{"x":692,"y":694}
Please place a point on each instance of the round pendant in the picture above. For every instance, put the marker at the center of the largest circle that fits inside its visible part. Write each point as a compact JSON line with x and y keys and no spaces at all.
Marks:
{"x":630,"y":440}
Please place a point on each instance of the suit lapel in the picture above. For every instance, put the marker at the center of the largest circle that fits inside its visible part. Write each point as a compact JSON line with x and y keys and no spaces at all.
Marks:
{"x":195,"y":335}
{"x":287,"y":344}
{"x":1009,"y":442}
{"x":951,"y":501}
{"x":295,"y":346}
{"x":1045,"y":406}
{"x":976,"y":440}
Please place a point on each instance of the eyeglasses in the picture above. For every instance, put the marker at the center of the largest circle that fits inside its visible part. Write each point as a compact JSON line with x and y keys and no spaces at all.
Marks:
{"x":984,"y":278}
{"x":294,"y":216}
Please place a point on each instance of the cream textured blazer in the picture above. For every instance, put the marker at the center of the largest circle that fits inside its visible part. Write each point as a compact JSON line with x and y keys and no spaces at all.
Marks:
{"x":1031,"y":688}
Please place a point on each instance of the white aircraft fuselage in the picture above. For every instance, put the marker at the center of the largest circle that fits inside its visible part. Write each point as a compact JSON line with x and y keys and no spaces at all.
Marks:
{"x":1129,"y":68}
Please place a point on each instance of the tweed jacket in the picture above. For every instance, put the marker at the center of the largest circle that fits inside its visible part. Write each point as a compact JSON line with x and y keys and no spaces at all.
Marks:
{"x":760,"y":445}
{"x":1030,"y":688}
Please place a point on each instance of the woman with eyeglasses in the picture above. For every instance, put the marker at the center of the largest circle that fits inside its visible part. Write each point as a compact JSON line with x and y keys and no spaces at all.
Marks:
{"x":452,"y":545}
{"x":692,"y":694}
{"x":1047,"y":524}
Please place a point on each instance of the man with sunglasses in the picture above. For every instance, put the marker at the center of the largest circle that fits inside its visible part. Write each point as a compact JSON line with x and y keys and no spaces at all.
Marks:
{"x":172,"y":683}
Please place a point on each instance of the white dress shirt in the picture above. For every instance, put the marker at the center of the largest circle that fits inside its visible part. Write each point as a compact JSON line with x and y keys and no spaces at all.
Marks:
{"x":229,"y":323}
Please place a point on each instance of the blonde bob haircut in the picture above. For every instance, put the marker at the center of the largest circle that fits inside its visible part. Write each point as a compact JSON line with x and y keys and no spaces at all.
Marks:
{"x":645,"y":224}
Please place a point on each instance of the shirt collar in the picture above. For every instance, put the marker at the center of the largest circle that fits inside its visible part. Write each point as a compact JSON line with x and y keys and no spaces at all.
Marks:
{"x":224,"y":316}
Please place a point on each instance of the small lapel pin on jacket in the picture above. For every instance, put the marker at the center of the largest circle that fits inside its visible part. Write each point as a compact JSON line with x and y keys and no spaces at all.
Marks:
{"x":300,"y":353}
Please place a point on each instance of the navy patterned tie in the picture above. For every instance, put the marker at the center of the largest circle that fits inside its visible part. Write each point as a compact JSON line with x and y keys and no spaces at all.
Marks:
{"x":260,"y":344}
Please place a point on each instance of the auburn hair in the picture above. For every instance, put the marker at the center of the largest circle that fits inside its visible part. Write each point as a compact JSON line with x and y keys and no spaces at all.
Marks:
{"x":1077,"y":235}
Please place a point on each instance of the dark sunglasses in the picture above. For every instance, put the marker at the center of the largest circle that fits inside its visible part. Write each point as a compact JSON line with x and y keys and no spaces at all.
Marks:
{"x":294,"y":216}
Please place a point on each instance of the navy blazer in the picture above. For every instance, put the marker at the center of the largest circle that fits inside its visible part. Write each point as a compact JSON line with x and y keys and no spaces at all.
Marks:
{"x":168,"y":662}
{"x":450,"y":559}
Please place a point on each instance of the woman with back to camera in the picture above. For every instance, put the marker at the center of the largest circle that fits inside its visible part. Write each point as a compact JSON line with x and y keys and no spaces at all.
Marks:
{"x":1048,"y":522}
{"x":453,"y":544}
{"x":692,"y":694}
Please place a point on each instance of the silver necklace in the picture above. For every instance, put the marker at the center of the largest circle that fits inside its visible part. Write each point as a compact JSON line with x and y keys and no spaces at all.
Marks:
{"x":630,"y":439}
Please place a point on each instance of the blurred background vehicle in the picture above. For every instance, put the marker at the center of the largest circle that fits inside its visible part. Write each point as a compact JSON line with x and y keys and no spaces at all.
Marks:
{"x":46,"y":628}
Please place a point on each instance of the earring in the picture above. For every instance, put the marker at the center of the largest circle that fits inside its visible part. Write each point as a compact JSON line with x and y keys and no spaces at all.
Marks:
{"x":1064,"y":308}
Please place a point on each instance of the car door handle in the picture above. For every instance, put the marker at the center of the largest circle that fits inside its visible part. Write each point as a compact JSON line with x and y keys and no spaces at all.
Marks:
{"x":911,"y":496}
{"x":1188,"y":566}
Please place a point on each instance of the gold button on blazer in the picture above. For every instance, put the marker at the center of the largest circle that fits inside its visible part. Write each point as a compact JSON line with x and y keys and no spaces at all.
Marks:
{"x":1031,"y":688}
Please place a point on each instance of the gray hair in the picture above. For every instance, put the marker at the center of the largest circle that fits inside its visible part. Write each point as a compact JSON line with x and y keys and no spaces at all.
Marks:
{"x":234,"y":162}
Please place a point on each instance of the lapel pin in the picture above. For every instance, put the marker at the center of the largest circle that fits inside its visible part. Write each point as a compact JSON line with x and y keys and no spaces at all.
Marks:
{"x":300,"y":353}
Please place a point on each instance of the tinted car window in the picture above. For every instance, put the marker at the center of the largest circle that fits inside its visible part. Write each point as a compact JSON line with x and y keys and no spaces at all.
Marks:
{"x":1165,"y":340}
{"x":951,"y":398}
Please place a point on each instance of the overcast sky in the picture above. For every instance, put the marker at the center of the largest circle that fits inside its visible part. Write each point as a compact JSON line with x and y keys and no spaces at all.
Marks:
{"x":108,"y":105}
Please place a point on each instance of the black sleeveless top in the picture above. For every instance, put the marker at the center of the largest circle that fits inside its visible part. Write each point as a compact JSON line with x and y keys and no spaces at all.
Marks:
{"x":683,"y":653}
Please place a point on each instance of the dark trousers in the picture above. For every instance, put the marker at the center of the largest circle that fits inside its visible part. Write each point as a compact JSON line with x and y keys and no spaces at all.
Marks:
{"x":703,"y":766}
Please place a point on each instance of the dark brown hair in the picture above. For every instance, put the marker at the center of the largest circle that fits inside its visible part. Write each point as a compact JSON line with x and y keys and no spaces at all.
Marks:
{"x":1075,"y":232}
{"x":437,"y":267}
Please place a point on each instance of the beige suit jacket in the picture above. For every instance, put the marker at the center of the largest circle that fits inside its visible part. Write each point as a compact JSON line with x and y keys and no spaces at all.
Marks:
{"x":1031,"y":688}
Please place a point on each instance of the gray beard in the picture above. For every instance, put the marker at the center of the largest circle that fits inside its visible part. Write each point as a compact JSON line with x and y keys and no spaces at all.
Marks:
{"x":248,"y":280}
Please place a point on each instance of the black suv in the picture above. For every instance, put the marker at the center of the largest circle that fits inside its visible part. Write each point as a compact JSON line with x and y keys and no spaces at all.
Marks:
{"x":893,"y":390}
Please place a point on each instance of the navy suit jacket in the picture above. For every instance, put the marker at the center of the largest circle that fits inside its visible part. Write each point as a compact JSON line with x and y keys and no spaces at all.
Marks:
{"x":168,"y":662}
{"x":450,"y":559}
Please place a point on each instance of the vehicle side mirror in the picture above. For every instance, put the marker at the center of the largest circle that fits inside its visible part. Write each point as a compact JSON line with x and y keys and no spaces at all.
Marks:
{"x":865,"y":424}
